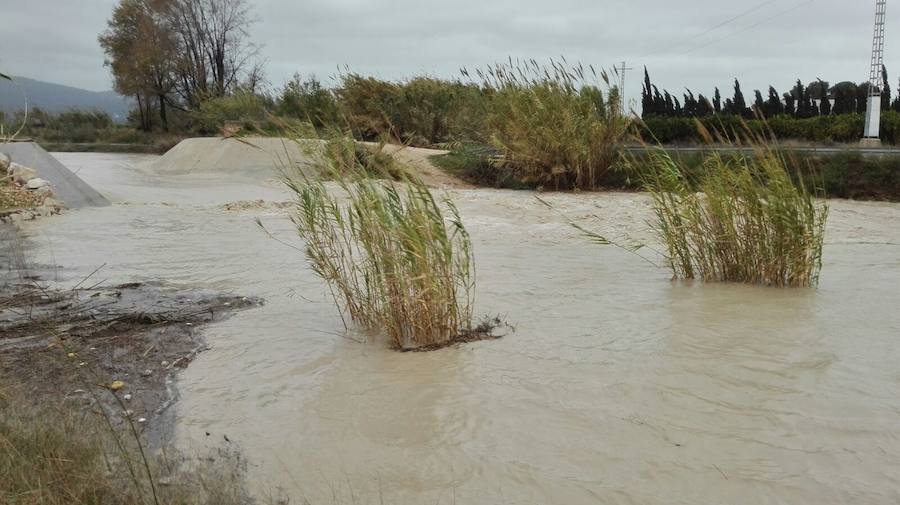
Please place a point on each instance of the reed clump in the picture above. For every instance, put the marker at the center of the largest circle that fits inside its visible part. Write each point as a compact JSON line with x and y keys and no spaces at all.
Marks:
{"x":554,"y":125}
{"x":740,"y":217}
{"x":396,"y":258}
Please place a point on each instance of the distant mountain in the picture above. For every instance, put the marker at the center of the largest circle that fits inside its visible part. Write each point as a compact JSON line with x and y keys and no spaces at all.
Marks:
{"x":58,"y":98}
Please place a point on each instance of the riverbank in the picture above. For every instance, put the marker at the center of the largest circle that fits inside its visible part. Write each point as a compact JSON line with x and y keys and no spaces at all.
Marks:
{"x":103,"y":360}
{"x":836,"y":173}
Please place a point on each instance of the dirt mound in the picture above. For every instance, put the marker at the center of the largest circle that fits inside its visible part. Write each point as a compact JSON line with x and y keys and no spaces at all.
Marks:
{"x":249,"y":157}
{"x":267,"y":157}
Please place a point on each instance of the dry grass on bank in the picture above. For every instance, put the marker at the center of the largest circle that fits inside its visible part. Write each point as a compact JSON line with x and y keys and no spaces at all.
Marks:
{"x":740,"y":218}
{"x":64,"y":455}
{"x":15,"y":197}
{"x":395,"y":258}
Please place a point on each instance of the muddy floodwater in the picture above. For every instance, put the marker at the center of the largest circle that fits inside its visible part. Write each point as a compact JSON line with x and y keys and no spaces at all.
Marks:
{"x":618,"y":385}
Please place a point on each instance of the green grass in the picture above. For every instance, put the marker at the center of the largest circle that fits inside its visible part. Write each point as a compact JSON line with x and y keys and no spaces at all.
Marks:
{"x":396,"y":259}
{"x":739,"y":218}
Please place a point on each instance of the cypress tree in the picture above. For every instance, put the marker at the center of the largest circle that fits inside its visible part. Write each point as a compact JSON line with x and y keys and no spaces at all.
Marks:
{"x":824,"y":101}
{"x":774,"y":106}
{"x":789,"y":107}
{"x":704,"y":107}
{"x":659,"y":103}
{"x":895,"y":105}
{"x":739,"y":105}
{"x":690,"y":104}
{"x":805,"y":108}
{"x":670,"y":106}
{"x":647,"y":96}
{"x":885,"y":90}
{"x":717,"y":101}
{"x":759,"y":106}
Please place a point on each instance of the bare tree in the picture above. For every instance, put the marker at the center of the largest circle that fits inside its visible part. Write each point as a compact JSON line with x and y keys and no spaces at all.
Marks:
{"x":214,"y":46}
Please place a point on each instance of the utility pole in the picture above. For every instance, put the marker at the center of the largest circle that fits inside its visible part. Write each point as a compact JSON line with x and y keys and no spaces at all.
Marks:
{"x":621,"y":71}
{"x":873,"y":107}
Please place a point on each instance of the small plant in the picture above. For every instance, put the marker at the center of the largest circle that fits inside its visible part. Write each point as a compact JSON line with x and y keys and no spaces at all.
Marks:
{"x":740,"y":217}
{"x":391,"y":258}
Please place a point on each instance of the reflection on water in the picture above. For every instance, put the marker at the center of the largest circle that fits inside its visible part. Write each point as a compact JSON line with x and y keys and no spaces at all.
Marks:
{"x":619,"y":386}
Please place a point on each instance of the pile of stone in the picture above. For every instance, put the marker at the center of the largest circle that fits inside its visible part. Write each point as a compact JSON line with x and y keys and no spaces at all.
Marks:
{"x":27,"y":179}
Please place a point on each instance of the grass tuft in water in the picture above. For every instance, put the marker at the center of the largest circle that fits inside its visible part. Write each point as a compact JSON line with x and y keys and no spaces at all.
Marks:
{"x":395,"y":258}
{"x":740,"y":218}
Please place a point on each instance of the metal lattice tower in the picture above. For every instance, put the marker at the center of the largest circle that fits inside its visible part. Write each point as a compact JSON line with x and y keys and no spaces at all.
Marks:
{"x":621,"y":70}
{"x":873,"y":108}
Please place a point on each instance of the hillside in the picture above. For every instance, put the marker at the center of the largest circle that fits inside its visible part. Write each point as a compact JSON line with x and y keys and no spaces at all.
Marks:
{"x":57,"y":98}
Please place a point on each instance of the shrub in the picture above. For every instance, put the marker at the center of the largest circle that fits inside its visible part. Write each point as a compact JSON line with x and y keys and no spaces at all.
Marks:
{"x":423,"y":111}
{"x":741,"y":218}
{"x":249,"y":109}
{"x":308,"y":100}
{"x":554,"y":126}
{"x":390,"y":258}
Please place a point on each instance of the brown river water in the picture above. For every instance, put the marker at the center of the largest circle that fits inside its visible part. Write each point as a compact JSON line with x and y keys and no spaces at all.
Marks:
{"x":618,"y":385}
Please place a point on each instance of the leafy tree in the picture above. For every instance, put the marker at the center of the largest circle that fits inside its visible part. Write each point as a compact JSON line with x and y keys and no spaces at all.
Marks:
{"x":717,"y":101}
{"x":140,"y":51}
{"x":885,"y":90}
{"x":844,"y":94}
{"x":177,"y":53}
{"x":862,"y":97}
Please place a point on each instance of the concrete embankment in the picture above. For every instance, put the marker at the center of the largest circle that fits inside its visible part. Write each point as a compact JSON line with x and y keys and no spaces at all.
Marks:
{"x":67,"y":187}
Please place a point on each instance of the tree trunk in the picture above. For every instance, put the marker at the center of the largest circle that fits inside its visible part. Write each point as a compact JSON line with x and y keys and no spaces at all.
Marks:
{"x":162,"y":113}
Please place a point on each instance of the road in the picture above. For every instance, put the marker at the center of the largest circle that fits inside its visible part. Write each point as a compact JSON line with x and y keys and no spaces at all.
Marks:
{"x":825,"y":150}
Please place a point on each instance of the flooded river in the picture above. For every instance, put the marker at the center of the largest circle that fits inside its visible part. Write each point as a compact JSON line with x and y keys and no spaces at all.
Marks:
{"x":618,"y":385}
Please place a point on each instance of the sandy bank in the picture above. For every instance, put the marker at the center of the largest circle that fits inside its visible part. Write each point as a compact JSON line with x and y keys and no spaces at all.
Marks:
{"x":268,"y":157}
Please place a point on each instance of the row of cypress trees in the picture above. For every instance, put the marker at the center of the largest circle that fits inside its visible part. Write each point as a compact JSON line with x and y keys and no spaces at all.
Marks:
{"x":801,"y":102}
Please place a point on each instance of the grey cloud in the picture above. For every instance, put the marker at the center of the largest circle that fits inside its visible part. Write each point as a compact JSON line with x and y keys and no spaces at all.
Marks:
{"x":55,"y":40}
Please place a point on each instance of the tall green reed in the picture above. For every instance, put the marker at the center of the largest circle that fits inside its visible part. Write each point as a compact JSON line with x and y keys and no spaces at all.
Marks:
{"x":741,"y":217}
{"x":395,"y":258}
{"x":554,"y":125}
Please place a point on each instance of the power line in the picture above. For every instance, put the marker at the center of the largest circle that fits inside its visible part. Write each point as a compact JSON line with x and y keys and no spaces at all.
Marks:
{"x":748,"y":28}
{"x":714,"y":28}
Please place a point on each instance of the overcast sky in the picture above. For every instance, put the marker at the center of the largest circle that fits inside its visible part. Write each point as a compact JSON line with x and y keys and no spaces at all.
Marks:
{"x":56,"y":40}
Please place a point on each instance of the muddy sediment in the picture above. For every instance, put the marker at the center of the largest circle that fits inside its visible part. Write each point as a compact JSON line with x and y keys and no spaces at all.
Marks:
{"x":116,"y":347}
